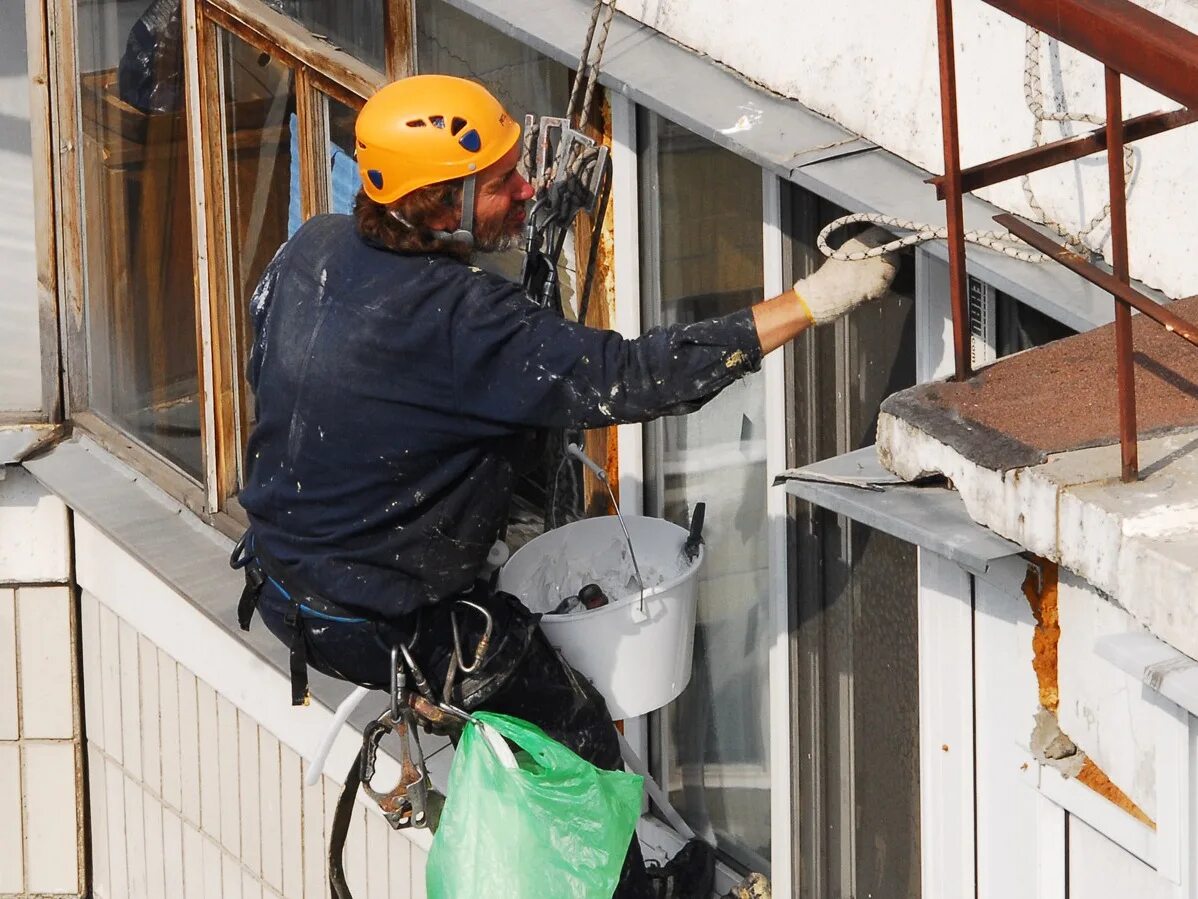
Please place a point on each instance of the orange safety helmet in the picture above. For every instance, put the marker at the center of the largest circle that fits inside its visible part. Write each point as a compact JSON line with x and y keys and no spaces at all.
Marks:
{"x":428,"y":129}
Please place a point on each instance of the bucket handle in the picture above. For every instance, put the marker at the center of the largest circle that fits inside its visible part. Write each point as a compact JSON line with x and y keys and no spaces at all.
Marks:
{"x":573,"y":449}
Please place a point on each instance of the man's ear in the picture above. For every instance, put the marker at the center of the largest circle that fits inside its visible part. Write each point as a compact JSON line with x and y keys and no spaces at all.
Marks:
{"x":444,"y":219}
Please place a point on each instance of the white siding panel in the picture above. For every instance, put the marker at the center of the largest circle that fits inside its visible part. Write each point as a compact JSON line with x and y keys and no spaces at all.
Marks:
{"x":114,"y":800}
{"x":227,"y":752}
{"x":251,"y":816}
{"x":170,"y":752}
{"x":46,"y":653}
{"x":214,"y":874}
{"x":51,"y":818}
{"x":173,"y":860}
{"x":270,"y":806}
{"x":12,"y":863}
{"x":130,"y":701}
{"x":231,"y":876}
{"x":189,"y":746}
{"x":110,"y":681}
{"x":1100,"y":869}
{"x":378,"y":832}
{"x":97,"y":774}
{"x":93,"y":704}
{"x":33,"y":531}
{"x":151,"y":715}
{"x":419,"y":863}
{"x":315,"y":861}
{"x":399,"y":867}
{"x":292,"y":830}
{"x":210,"y":811}
{"x":135,"y":839}
{"x":8,"y":666}
{"x":193,"y":861}
{"x":155,"y":847}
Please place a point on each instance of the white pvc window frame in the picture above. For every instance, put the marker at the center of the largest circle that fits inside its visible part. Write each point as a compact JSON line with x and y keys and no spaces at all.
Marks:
{"x":631,"y":469}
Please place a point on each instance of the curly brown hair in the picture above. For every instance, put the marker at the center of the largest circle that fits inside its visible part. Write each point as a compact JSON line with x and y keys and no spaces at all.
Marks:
{"x":400,"y":225}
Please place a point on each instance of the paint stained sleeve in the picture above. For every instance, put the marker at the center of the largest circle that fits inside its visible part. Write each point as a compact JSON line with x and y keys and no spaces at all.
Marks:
{"x":522,"y":365}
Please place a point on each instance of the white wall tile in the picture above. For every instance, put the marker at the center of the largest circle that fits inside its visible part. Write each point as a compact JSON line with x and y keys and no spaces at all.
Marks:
{"x":12,"y":863}
{"x":9,"y":729}
{"x":214,"y":871}
{"x":172,"y":855}
{"x":399,"y":867}
{"x":355,"y":851}
{"x":419,"y":864}
{"x":51,"y":817}
{"x":114,"y":803}
{"x":251,"y":888}
{"x":378,"y":833}
{"x":151,"y":733}
{"x":47,"y":659}
{"x":229,"y":755}
{"x":251,"y":820}
{"x":130,"y":702}
{"x":193,"y":861}
{"x":271,"y":809}
{"x":231,"y":876}
{"x":110,"y":681}
{"x":189,"y":746}
{"x":210,"y":811}
{"x":89,"y":636}
{"x":291,"y":813}
{"x":315,"y":861}
{"x":135,"y":839}
{"x":155,"y":846}
{"x":168,"y":720}
{"x":33,"y":531}
{"x":98,"y":808}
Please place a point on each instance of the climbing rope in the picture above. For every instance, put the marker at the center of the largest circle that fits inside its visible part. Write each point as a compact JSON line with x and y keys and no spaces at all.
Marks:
{"x":588,"y":67}
{"x":1001,"y":241}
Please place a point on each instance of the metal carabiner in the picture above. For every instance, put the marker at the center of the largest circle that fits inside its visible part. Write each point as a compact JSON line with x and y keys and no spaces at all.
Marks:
{"x":484,"y":642}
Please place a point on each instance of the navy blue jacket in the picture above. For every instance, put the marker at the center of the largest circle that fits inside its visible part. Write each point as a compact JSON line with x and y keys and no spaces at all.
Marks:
{"x":397,"y":393}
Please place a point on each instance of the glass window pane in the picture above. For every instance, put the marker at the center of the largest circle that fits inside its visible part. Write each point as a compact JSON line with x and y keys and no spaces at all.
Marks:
{"x":1020,"y":327}
{"x":20,"y":333}
{"x":856,"y":678}
{"x":265,"y":202}
{"x":344,"y":180}
{"x":141,"y":321}
{"x":355,"y":26}
{"x":702,"y":256}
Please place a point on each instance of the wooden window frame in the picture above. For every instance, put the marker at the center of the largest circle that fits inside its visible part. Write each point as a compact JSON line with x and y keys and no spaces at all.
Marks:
{"x":321,"y":70}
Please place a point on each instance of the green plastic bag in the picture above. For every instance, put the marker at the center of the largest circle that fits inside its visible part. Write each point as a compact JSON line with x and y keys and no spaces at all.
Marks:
{"x":540,"y":823}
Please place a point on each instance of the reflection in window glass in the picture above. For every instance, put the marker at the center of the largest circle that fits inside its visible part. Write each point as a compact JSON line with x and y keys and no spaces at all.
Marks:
{"x":702,"y":256}
{"x":355,"y":26}
{"x":344,"y":180}
{"x":141,"y":322}
{"x":1019,"y":327}
{"x":856,"y":686}
{"x":20,"y":335}
{"x":450,"y":42}
{"x":265,"y":202}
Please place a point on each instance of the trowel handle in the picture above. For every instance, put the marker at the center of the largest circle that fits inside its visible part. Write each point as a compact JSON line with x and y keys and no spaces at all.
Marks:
{"x":575,"y":450}
{"x":695,"y":537}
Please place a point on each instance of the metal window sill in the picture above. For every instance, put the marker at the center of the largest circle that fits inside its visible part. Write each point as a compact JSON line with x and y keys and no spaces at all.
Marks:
{"x":855,"y":485}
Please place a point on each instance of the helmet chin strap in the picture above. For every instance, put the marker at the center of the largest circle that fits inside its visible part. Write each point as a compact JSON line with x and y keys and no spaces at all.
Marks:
{"x":464,"y":234}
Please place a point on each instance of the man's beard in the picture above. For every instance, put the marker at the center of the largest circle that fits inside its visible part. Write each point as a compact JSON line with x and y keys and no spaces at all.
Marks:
{"x":499,"y":239}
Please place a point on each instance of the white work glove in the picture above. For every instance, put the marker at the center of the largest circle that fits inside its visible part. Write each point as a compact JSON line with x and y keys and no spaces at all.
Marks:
{"x":838,"y":286}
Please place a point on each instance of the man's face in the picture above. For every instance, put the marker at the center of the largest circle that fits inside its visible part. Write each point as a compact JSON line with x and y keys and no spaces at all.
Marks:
{"x":500,"y":195}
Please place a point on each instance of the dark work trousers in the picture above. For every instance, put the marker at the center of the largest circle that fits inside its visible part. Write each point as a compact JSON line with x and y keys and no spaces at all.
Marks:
{"x":523,"y":676}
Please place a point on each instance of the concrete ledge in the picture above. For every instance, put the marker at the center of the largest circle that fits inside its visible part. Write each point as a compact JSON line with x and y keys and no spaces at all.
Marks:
{"x":1137,"y":543}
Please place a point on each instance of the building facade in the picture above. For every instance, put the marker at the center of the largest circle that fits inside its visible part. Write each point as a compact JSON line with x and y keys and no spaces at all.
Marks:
{"x":872,"y":710}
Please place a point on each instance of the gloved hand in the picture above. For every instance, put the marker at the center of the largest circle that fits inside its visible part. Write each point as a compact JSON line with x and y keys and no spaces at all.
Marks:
{"x":838,"y":286}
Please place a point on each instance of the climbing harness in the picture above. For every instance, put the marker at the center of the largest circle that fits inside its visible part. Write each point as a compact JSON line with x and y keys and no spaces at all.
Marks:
{"x":1001,"y":241}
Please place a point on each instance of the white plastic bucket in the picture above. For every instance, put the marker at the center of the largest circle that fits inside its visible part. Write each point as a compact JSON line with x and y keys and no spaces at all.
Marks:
{"x":639,"y":662}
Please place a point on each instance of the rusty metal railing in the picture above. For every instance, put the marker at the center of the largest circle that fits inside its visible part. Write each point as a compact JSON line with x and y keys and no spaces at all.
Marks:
{"x":1127,"y":40}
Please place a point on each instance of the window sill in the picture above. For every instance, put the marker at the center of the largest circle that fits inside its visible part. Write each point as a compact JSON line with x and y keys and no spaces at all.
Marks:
{"x":855,"y":485}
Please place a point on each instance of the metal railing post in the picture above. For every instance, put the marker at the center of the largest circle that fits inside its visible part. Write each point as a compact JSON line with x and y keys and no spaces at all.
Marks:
{"x":952,"y":189}
{"x":1125,"y":360}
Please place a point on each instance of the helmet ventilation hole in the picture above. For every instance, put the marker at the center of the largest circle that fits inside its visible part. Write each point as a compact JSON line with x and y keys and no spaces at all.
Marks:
{"x":456,"y":125}
{"x":376,"y":178}
{"x":471,"y":141}
{"x":437,"y":120}
{"x":417,"y":123}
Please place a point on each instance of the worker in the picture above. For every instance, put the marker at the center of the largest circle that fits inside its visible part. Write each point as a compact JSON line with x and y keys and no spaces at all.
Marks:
{"x":399,"y":390}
